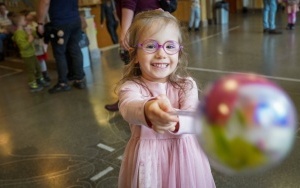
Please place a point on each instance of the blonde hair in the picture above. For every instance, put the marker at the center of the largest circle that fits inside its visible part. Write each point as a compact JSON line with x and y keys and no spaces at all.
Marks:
{"x":141,"y":24}
{"x":16,"y":18}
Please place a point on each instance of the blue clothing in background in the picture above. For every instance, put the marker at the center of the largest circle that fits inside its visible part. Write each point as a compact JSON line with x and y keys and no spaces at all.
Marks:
{"x":269,"y":14}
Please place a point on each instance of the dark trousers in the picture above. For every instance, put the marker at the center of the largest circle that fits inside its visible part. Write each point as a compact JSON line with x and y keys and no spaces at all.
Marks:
{"x":72,"y":36}
{"x":112,"y":30}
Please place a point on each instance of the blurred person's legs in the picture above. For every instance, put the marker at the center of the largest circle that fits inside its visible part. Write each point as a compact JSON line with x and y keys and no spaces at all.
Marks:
{"x":291,"y":21}
{"x":70,"y":74}
{"x":124,"y":55}
{"x":272,"y":13}
{"x":42,"y":61}
{"x":2,"y":38}
{"x":59,"y":53}
{"x":72,"y":36}
{"x":33,"y":73}
{"x":76,"y":56}
{"x":197,"y":18}
{"x":269,"y":17}
{"x":112,"y":29}
{"x":266,"y":11}
{"x":192,"y":19}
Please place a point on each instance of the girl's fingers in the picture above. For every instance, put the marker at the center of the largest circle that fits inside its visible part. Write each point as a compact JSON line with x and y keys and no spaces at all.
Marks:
{"x":162,"y":129}
{"x":172,"y":129}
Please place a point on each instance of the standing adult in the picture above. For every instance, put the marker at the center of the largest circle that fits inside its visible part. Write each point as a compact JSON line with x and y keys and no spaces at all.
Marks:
{"x":269,"y":17}
{"x":127,"y":10}
{"x":194,"y":16}
{"x":5,"y":23}
{"x":64,"y":16}
{"x":109,"y":14}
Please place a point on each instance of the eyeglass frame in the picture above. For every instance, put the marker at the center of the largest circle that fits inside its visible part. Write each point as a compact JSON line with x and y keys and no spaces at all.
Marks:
{"x":158,"y":46}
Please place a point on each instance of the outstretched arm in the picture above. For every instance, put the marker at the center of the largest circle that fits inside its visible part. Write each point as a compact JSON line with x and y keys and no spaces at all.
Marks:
{"x":152,"y":112}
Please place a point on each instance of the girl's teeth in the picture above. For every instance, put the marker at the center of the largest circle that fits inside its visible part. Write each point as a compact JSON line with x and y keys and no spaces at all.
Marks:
{"x":160,"y":65}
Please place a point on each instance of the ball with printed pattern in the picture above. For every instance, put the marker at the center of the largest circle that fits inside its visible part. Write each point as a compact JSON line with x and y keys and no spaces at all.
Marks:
{"x":248,"y":123}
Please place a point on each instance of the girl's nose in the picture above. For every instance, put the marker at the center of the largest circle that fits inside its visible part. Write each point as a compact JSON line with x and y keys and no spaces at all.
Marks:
{"x":160,"y":53}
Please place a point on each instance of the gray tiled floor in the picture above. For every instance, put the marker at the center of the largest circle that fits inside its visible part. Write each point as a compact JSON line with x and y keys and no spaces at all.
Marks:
{"x":69,"y":140}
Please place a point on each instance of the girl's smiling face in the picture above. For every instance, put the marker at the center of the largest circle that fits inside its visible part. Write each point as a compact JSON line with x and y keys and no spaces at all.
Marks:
{"x":159,"y":65}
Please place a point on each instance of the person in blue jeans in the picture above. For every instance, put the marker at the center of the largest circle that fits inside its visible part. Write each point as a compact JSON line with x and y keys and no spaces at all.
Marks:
{"x":194,"y":16}
{"x":269,"y":17}
{"x":64,"y":18}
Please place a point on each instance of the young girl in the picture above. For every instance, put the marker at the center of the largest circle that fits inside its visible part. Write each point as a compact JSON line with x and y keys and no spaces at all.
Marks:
{"x":24,"y":40}
{"x":162,"y":152}
{"x":292,"y":7}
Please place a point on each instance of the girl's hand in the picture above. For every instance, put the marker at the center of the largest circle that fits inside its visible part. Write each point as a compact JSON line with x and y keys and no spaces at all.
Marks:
{"x":156,"y":111}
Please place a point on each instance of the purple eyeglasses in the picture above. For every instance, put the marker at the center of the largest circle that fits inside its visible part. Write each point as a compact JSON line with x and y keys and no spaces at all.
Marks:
{"x":151,"y":46}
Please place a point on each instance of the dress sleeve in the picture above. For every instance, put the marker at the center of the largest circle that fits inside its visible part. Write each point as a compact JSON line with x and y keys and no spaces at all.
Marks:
{"x":132,"y":102}
{"x":188,"y":101}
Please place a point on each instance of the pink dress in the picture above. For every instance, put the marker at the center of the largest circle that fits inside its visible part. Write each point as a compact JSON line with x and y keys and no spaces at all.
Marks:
{"x":166,"y":160}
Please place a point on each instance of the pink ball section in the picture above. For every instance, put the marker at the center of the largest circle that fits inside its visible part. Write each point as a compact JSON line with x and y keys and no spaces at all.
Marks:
{"x":248,"y":123}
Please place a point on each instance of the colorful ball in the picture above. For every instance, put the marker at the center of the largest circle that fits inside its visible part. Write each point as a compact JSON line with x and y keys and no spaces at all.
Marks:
{"x":248,"y":123}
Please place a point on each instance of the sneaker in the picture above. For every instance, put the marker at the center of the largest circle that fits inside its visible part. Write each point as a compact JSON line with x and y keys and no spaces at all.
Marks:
{"x":274,"y":32}
{"x":288,"y":27}
{"x":46,"y":76}
{"x":59,"y":87}
{"x":43,"y":82}
{"x":292,"y":26}
{"x":266,"y":30}
{"x":34,"y":87}
{"x":80,"y":84}
{"x":124,"y":55}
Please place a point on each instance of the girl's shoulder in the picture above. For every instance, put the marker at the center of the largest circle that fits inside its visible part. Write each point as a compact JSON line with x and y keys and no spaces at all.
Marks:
{"x":132,"y":83}
{"x":186,"y":80}
{"x":190,"y":79}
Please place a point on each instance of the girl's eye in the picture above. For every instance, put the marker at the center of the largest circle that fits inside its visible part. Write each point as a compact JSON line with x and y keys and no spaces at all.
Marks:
{"x":150,"y":46}
{"x":171,"y":46}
